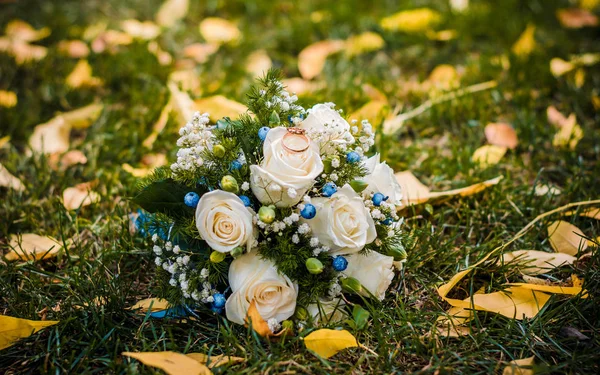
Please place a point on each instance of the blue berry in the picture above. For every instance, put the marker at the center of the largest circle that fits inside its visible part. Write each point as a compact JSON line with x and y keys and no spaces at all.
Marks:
{"x":387,"y":221}
{"x":215,"y":309}
{"x":340,"y":263}
{"x":262,"y":132}
{"x":352,"y":157}
{"x":219,"y":300}
{"x":329,"y":189}
{"x":300,"y":116}
{"x":245,"y":200}
{"x":378,"y":198}
{"x":191,"y":199}
{"x":235,"y":165}
{"x":309,"y":211}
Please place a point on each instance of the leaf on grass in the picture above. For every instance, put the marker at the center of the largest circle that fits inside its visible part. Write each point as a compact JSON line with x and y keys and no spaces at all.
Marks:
{"x":559,"y":67}
{"x":443,"y":77}
{"x":363,"y":43}
{"x":22,"y":31}
{"x":514,"y":302}
{"x":566,"y":238}
{"x":414,"y":192}
{"x":311,"y":59}
{"x":258,"y":63}
{"x":182,"y":104}
{"x":537,"y":262}
{"x":592,"y":213}
{"x":83,"y":117}
{"x":152,"y":304}
{"x":146,"y":30}
{"x":25,"y":52}
{"x":10,"y":181}
{"x":301,"y":86}
{"x":259,"y":325}
{"x":569,"y":134}
{"x":554,"y":289}
{"x":171,"y":11}
{"x":110,"y":40}
{"x":13,"y":329}
{"x":219,"y":31}
{"x":31,"y":246}
{"x":171,"y":362}
{"x":215,"y":360}
{"x":575,"y":18}
{"x":73,"y":157}
{"x":74,"y":48}
{"x":518,"y":367}
{"x":81,"y":76}
{"x":51,"y":137}
{"x":80,"y":195}
{"x":200,"y":51}
{"x":374,"y":111}
{"x":159,"y":126}
{"x":219,"y":106}
{"x":328,"y":342}
{"x":501,"y":134}
{"x":411,"y":21}
{"x":451,"y":324}
{"x":149,"y":162}
{"x":8,"y":99}
{"x":526,"y":42}
{"x":488,"y":155}
{"x":163,"y":57}
{"x":558,"y":119}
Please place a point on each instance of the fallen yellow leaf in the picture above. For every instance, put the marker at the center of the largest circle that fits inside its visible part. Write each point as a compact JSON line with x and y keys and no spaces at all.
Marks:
{"x":74,"y":48}
{"x":328,"y":342}
{"x":374,"y":111}
{"x":219,"y":31}
{"x":171,"y":362}
{"x":24,"y":32}
{"x":363,"y":43}
{"x":163,"y":57}
{"x":568,"y":135}
{"x":83,"y":117}
{"x":554,"y":289}
{"x":13,"y":329}
{"x":442,"y":77}
{"x":24,"y":52}
{"x":51,"y":137}
{"x":215,"y":360}
{"x":8,"y":99}
{"x":200,"y":51}
{"x":171,"y":11}
{"x":258,"y":63}
{"x":149,"y":162}
{"x":526,"y":42}
{"x":488,"y":155}
{"x":79,"y":196}
{"x":559,"y":67}
{"x":311,"y":59}
{"x":518,"y":367}
{"x":81,"y":76}
{"x":301,"y":86}
{"x":514,"y":302}
{"x":58,"y":162}
{"x":158,"y":127}
{"x":501,"y":134}
{"x":152,"y":304}
{"x":259,"y":325}
{"x":558,"y":119}
{"x":535,"y":262}
{"x":110,"y":39}
{"x":146,"y":30}
{"x":592,"y":213}
{"x":566,"y":238}
{"x":182,"y":104}
{"x":411,"y":21}
{"x":219,"y":106}
{"x":31,"y":246}
{"x":10,"y":181}
{"x":575,"y":18}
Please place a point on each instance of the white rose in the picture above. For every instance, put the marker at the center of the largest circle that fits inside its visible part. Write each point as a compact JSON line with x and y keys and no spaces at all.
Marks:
{"x":381,"y":179}
{"x":328,"y":310}
{"x":327,"y":127}
{"x":342,"y":222}
{"x":224,"y":222}
{"x":283,"y":172}
{"x":252,"y":278}
{"x":374,"y":271}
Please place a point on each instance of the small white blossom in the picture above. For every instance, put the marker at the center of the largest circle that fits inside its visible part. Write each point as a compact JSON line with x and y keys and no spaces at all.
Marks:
{"x":157,"y":250}
{"x":274,"y":326}
{"x":154,"y":237}
{"x":292,"y":193}
{"x":295,"y":239}
{"x":173,"y":282}
{"x":314,"y":242}
{"x":245,"y":186}
{"x":335,"y":163}
{"x":157,"y":261}
{"x":176,"y":249}
{"x":186,"y":259}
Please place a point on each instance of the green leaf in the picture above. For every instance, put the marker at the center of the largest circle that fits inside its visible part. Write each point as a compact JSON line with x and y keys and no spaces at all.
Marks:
{"x":361,"y":316}
{"x":165,"y":196}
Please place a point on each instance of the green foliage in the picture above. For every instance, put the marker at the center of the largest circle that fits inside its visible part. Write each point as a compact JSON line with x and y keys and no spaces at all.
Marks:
{"x":165,"y":196}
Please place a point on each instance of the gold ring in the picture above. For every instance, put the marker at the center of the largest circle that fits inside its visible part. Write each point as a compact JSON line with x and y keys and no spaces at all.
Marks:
{"x":299,"y":141}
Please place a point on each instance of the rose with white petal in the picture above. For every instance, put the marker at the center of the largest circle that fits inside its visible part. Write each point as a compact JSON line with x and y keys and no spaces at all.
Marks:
{"x":342,"y":222}
{"x":284,"y":177}
{"x":224,"y":222}
{"x":254,"y":279}
{"x":381,"y":179}
{"x":328,"y":311}
{"x":375,"y":272}
{"x":327,"y":127}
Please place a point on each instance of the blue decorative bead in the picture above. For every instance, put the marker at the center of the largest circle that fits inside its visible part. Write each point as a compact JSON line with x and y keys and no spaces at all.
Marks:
{"x":262,"y":132}
{"x":219,"y":300}
{"x":300,"y":116}
{"x":191,"y":199}
{"x":387,"y":221}
{"x":340,"y":263}
{"x":215,"y":309}
{"x":309,"y":211}
{"x":329,"y":189}
{"x":245,"y":200}
{"x":235,"y":165}
{"x":352,"y":157}
{"x":378,"y":198}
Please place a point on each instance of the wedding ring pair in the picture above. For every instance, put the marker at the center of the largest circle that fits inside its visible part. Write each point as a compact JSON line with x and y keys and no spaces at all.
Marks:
{"x":295,"y":141}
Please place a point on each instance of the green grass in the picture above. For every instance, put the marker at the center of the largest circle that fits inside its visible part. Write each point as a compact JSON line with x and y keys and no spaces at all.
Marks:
{"x":109,"y":262}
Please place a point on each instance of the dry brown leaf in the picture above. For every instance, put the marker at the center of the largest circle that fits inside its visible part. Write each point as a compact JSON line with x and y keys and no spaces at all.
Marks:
{"x":8,"y":99}
{"x":575,"y":18}
{"x":51,"y":137}
{"x":501,"y":134}
{"x":374,"y":111}
{"x":159,"y":126}
{"x":200,"y":51}
{"x":146,"y":30}
{"x":559,"y":67}
{"x":73,"y":157}
{"x":74,"y":48}
{"x":219,"y":31}
{"x":566,"y":238}
{"x":311,"y":59}
{"x":488,"y":155}
{"x":171,"y":11}
{"x":411,"y":21}
{"x":526,"y":42}
{"x":31,"y":246}
{"x":517,"y":367}
{"x":258,"y":63}
{"x":535,"y":262}
{"x":215,"y":360}
{"x":81,"y":76}
{"x":24,"y":32}
{"x":219,"y":106}
{"x":259,"y":325}
{"x":363,"y":43}
{"x":10,"y":181}
{"x":80,"y":195}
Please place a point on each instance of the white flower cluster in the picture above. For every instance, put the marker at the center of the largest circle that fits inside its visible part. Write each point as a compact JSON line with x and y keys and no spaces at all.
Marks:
{"x":366,"y":137}
{"x":195,"y":137}
{"x":285,"y":102}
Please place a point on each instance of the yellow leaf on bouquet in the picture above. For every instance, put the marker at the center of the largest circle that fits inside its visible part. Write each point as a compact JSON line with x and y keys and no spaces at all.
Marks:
{"x":526,"y":42}
{"x":8,"y":99}
{"x":514,"y":302}
{"x":219,"y":106}
{"x":488,"y":155}
{"x":13,"y":329}
{"x":215,"y":360}
{"x":146,"y":30}
{"x":81,"y":76}
{"x":411,"y":21}
{"x":311,"y":59}
{"x":517,"y":367}
{"x":31,"y":246}
{"x":566,"y":238}
{"x":22,"y":31}
{"x":219,"y":31}
{"x":362,"y":43}
{"x":171,"y":11}
{"x":535,"y":262}
{"x":171,"y":362}
{"x":10,"y":181}
{"x":79,"y":196}
{"x":328,"y":342}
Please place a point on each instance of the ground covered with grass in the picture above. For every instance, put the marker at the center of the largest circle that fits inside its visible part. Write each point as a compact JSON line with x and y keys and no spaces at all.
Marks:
{"x":107,"y":267}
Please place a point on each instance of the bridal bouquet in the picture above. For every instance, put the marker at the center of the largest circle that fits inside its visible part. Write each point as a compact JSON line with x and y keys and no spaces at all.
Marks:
{"x":279,"y":210}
